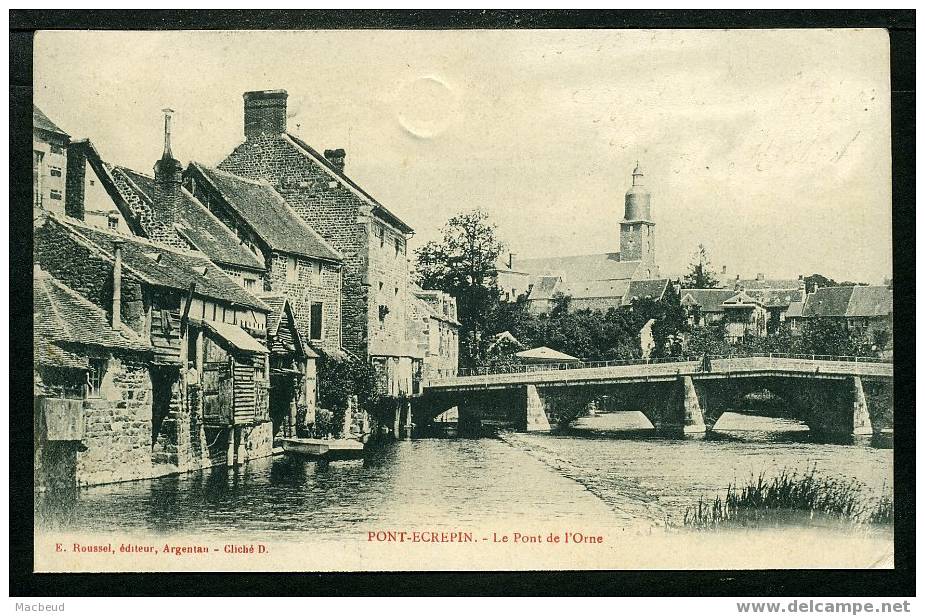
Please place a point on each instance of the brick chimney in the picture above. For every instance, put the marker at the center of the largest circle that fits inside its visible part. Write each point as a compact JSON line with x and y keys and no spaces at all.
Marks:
{"x":336,"y":158}
{"x":264,"y":113}
{"x":74,"y":180}
{"x":168,"y":176}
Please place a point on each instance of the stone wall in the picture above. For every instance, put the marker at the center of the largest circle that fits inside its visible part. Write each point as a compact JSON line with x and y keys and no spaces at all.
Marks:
{"x":117,"y":433}
{"x":310,"y":287}
{"x":345,"y":220}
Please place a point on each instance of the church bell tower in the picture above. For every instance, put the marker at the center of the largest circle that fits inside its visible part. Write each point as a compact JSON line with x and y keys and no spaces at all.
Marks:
{"x":637,"y":230}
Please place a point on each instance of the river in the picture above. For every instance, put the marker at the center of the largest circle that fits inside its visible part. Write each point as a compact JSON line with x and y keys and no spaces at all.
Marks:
{"x":604,"y":471}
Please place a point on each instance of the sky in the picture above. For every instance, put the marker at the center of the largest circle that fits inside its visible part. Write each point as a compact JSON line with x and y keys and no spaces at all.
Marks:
{"x":771,"y":148}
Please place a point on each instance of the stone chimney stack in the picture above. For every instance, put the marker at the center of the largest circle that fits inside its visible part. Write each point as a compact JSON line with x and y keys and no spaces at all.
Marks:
{"x":168,"y":177}
{"x":117,"y":285}
{"x":336,"y":158}
{"x":264,"y":113}
{"x":74,"y":180}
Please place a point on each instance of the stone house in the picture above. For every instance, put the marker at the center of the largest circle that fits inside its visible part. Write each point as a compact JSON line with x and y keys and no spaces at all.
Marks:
{"x":89,"y":377}
{"x":743,"y":315}
{"x":593,"y":294}
{"x":49,"y":163}
{"x":207,"y":376}
{"x":372,"y":239}
{"x":298,"y":262}
{"x":862,"y":310}
{"x":160,"y":207}
{"x":436,"y":330}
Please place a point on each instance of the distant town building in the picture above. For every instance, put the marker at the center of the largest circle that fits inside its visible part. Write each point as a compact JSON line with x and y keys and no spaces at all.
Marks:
{"x":750,"y":308}
{"x":862,"y":310}
{"x":435,"y":328}
{"x":596,"y":281}
{"x":49,"y":163}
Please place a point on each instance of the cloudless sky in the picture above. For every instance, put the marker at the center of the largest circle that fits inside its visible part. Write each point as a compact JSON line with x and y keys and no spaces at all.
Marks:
{"x":772,"y":148}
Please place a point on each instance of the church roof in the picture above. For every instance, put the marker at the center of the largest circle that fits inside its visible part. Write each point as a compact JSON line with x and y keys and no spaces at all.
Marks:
{"x":641,"y":289}
{"x":606,"y":266}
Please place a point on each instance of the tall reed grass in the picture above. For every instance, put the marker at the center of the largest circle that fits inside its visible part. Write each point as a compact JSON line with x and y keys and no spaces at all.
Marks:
{"x":762,"y":499}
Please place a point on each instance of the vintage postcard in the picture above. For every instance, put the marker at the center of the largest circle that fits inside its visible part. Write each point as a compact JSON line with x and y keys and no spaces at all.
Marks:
{"x":456,"y":300}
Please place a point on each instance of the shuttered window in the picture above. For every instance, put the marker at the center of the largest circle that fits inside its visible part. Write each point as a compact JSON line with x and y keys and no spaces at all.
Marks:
{"x":316,"y":320}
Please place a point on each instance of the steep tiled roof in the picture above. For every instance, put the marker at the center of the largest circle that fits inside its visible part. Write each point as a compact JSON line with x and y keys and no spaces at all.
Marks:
{"x":379,"y":209}
{"x":545,"y":354}
{"x":765,"y":283}
{"x":870,"y":302}
{"x":545,"y":287}
{"x":777,"y":298}
{"x":646,"y":288}
{"x":267,"y":213}
{"x":605,"y":266}
{"x":594,"y":289}
{"x":42,"y":122}
{"x":739,"y":299}
{"x":165,"y":267}
{"x":197,"y":225}
{"x":709,"y":300}
{"x":828,"y":302}
{"x":857,"y":301}
{"x":63,"y":316}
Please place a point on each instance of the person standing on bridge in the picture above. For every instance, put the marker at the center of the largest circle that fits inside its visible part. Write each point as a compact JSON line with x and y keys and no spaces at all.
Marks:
{"x":705,"y":366}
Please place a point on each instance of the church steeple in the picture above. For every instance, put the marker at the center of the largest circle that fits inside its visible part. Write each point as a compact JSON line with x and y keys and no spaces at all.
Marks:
{"x":637,"y":229}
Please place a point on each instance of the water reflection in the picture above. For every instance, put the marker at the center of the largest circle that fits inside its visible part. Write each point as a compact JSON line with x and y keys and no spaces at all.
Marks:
{"x":606,"y":467}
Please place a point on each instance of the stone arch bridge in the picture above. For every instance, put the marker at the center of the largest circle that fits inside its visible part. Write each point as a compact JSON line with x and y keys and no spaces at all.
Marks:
{"x":836,"y":395}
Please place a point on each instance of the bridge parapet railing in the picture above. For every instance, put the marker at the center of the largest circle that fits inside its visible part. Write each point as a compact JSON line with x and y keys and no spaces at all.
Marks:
{"x":683,"y":364}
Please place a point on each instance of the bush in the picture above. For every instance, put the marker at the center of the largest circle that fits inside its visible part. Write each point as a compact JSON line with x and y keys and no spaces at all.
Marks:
{"x":340,"y":377}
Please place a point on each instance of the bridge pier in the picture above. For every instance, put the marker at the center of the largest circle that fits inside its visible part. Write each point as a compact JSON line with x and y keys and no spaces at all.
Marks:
{"x":860,"y":415}
{"x":535,"y":419}
{"x":683,"y":413}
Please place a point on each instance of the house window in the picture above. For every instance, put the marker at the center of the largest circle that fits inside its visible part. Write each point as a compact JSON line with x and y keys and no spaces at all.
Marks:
{"x":292,"y":269}
{"x":37,"y":161}
{"x":113,"y":222}
{"x":316,"y":320}
{"x":95,"y":374}
{"x":55,"y":172}
{"x":250,"y":284}
{"x":57,"y":149}
{"x":397,"y":246}
{"x":316,"y":272}
{"x":192,"y":340}
{"x":381,"y":233}
{"x":55,"y":194}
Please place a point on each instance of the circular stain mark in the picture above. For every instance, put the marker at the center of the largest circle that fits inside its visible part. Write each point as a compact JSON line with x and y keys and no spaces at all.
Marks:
{"x":426,"y":107}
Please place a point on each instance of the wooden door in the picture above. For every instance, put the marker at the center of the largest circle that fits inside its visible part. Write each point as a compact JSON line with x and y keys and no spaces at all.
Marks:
{"x":217,"y":393}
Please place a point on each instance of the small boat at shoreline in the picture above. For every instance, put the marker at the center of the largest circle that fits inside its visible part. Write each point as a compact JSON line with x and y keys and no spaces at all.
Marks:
{"x":323,"y":449}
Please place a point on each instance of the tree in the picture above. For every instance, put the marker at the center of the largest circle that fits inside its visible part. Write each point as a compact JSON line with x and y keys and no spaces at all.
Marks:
{"x":822,"y":336}
{"x":700,"y":275}
{"x":464,"y":264}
